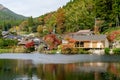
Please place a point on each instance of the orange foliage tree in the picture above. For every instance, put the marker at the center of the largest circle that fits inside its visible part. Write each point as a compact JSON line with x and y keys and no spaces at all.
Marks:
{"x":70,"y":40}
{"x":70,"y":43}
{"x":60,"y":19}
{"x":52,"y":41}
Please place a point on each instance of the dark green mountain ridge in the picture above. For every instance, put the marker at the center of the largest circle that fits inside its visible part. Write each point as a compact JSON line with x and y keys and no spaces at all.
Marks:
{"x":9,"y":19}
{"x":6,"y":14}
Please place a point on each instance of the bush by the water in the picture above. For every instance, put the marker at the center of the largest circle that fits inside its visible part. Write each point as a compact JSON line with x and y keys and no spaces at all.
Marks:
{"x":107,"y":50}
{"x":30,"y":49}
{"x":66,"y":51}
{"x":52,"y":52}
{"x":74,"y":51}
{"x":7,"y":43}
{"x":5,"y":50}
{"x":116,"y":51}
{"x":82,"y":51}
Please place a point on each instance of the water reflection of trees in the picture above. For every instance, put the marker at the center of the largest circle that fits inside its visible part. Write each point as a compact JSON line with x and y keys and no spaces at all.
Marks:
{"x":77,"y":71}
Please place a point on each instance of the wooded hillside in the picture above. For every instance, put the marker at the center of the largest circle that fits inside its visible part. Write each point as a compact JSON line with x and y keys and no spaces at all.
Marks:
{"x":81,"y":14}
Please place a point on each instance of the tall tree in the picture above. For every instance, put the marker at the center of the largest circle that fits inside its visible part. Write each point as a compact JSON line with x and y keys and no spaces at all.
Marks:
{"x":50,"y":21}
{"x":40,"y":30}
{"x":79,"y":15}
{"x":52,"y":41}
{"x":108,"y":10}
{"x":0,"y":34}
{"x":60,"y":19}
{"x":30,"y":23}
{"x":24,"y":26}
{"x":116,"y":11}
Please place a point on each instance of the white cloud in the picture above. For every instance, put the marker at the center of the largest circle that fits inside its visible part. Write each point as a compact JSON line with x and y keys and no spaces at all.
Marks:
{"x":33,"y":7}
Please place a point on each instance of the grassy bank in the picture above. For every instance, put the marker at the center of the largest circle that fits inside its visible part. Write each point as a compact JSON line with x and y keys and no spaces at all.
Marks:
{"x":6,"y":50}
{"x":17,"y":49}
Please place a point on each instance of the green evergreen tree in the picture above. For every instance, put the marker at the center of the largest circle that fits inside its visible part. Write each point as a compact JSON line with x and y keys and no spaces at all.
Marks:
{"x":30,"y":21}
{"x":30,"y":24}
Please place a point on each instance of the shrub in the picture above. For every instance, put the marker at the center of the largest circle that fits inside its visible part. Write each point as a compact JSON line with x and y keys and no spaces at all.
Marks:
{"x":41,"y":48}
{"x":7,"y":43}
{"x":19,"y":49}
{"x":82,"y":51}
{"x":30,"y":46}
{"x":107,"y":50}
{"x":52,"y":51}
{"x":1,"y":43}
{"x":5,"y":50}
{"x":66,"y":51}
{"x":30,"y":49}
{"x":74,"y":50}
{"x":116,"y":51}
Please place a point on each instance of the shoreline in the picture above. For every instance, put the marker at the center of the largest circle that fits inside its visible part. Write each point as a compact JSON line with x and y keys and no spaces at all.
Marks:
{"x":39,"y":58}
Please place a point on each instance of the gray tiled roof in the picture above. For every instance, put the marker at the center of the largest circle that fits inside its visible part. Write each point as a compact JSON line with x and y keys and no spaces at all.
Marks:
{"x":90,"y":38}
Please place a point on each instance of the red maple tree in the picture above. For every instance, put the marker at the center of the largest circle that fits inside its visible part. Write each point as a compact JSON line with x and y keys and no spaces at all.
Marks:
{"x":113,"y":35}
{"x":29,"y":44}
{"x":52,"y":41}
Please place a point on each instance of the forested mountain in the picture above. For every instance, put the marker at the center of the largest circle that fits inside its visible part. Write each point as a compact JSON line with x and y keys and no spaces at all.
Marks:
{"x":83,"y":14}
{"x":8,"y":17}
{"x":6,"y":14}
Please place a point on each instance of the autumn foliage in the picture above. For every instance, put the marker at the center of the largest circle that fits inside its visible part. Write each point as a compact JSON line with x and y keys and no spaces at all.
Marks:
{"x":60,"y":19}
{"x":70,"y":40}
{"x":52,"y":41}
{"x":70,"y":43}
{"x":113,"y":35}
{"x":29,"y":44}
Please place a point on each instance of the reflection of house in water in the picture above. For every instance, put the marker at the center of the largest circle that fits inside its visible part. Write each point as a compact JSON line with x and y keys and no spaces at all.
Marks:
{"x":25,"y":67}
{"x":70,"y":67}
{"x":93,"y":67}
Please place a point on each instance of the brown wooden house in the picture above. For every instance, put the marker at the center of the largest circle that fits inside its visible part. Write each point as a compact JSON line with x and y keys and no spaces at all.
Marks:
{"x":87,"y":39}
{"x":91,"y":41}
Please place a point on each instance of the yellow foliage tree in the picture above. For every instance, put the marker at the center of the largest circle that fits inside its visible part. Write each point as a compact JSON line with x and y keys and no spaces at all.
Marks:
{"x":40,"y":30}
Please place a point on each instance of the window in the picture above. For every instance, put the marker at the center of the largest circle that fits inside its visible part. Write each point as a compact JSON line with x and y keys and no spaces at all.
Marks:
{"x":81,"y":44}
{"x":77,"y":44}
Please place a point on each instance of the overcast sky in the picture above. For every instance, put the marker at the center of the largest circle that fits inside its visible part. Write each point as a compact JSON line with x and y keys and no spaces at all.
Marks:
{"x":33,"y":8}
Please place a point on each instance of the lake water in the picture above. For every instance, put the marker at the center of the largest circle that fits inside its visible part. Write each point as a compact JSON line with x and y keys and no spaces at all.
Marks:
{"x":28,"y":69}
